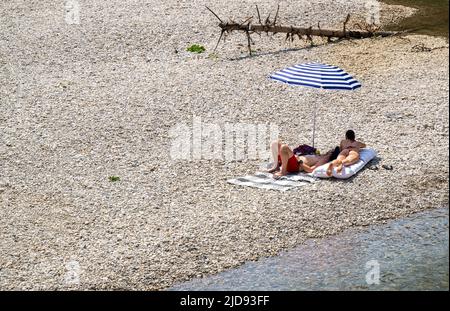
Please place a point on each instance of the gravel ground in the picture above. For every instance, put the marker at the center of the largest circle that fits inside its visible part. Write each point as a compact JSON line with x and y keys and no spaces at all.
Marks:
{"x":82,"y":102}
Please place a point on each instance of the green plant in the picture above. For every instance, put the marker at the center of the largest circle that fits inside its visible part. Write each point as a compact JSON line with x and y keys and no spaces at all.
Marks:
{"x":196,"y":48}
{"x":113,"y":178}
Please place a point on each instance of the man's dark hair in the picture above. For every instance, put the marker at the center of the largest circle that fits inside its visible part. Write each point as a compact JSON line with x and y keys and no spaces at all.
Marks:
{"x":350,"y":135}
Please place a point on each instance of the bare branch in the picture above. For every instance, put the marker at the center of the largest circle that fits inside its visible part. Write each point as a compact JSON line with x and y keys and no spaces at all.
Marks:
{"x":345,"y":23}
{"x":276,"y":16}
{"x":218,"y":41}
{"x":268,"y":20}
{"x":259,"y":15}
{"x":249,"y":40}
{"x":245,"y":21}
{"x":214,"y":14}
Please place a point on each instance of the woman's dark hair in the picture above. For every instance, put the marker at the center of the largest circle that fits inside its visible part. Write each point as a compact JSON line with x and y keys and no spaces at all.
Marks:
{"x":350,"y":135}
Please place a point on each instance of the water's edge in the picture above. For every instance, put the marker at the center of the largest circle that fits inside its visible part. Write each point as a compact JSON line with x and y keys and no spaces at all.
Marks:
{"x":405,"y":254}
{"x":431,"y":17}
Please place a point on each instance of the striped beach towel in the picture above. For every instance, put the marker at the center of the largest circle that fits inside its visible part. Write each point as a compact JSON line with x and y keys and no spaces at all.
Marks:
{"x":266,"y":181}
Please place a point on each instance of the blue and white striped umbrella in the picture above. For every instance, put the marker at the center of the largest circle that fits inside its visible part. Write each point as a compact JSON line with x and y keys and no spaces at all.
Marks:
{"x":317,"y":75}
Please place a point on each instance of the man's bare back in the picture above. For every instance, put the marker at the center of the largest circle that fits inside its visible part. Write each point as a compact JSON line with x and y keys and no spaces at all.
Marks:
{"x":352,"y":145}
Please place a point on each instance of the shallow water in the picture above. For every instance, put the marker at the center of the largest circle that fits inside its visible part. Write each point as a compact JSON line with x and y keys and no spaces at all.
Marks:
{"x":410,"y":254}
{"x":431,"y":19}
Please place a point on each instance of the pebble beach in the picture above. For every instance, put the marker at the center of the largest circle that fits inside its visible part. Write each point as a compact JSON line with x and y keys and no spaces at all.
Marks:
{"x":84,"y":101}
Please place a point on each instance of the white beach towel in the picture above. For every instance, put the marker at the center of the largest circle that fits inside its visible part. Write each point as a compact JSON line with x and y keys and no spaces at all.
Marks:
{"x":267,"y":181}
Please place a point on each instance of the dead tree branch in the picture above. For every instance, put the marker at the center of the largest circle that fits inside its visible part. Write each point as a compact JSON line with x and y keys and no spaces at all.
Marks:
{"x":301,"y":32}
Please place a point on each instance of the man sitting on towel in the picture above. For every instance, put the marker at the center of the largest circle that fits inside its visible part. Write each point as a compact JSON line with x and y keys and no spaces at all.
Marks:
{"x":285,"y":158}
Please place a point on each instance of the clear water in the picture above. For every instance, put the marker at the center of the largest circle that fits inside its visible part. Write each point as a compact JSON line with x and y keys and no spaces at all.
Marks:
{"x":411,"y":254}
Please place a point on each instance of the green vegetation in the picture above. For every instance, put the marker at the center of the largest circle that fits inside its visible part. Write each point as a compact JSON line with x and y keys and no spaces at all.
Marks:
{"x":113,"y":178}
{"x":196,"y":48}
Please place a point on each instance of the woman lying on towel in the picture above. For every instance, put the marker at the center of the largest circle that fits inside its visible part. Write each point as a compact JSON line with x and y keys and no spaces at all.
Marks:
{"x":349,"y":154}
{"x":285,"y":158}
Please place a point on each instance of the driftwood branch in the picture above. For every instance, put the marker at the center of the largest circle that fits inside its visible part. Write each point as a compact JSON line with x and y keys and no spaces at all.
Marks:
{"x":357,"y":34}
{"x":269,"y":26}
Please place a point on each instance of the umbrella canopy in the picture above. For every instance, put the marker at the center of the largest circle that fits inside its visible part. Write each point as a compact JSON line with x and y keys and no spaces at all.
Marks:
{"x":317,"y":75}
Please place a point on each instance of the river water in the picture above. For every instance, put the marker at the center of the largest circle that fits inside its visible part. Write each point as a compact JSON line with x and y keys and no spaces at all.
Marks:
{"x":404,"y":254}
{"x":430,"y":19}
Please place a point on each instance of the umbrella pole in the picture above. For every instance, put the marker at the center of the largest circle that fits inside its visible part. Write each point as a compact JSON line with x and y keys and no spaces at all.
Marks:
{"x":314,"y":125}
